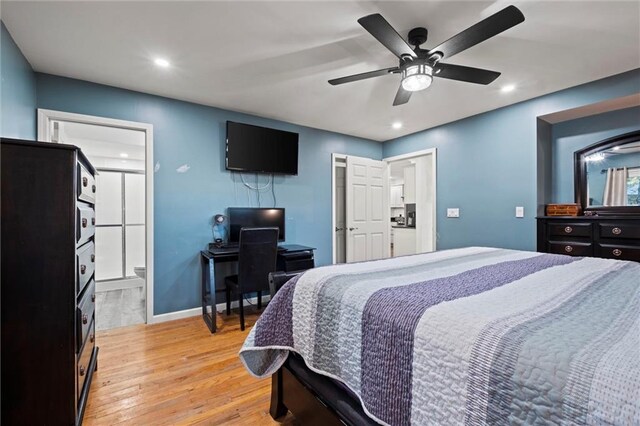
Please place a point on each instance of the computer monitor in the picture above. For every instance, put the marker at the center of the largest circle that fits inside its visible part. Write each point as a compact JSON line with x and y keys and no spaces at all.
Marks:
{"x":245,"y":217}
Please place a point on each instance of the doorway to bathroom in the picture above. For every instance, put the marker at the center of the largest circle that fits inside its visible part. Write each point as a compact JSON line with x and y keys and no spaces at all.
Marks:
{"x":120,"y":248}
{"x":123,"y":263}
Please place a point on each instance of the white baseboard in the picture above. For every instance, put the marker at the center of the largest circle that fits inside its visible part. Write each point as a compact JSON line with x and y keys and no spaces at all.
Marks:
{"x":119,"y":284}
{"x":194,"y":312}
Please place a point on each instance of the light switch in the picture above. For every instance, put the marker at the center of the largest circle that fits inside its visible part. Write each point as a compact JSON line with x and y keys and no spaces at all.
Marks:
{"x":453,"y":212}
{"x":519,"y":211}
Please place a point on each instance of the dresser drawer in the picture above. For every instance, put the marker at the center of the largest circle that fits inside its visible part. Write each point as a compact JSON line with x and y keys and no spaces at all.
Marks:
{"x":85,"y":223}
{"x":85,"y":264}
{"x":570,"y":229}
{"x":619,"y":230}
{"x":618,"y":251}
{"x":571,"y":248}
{"x":86,"y":308}
{"x":84,"y":360}
{"x":86,"y":185}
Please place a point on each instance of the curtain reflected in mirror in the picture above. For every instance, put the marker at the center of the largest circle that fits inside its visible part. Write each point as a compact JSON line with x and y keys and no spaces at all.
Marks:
{"x":613,"y":176}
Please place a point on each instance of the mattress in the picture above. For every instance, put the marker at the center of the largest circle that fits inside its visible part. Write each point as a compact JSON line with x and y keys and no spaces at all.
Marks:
{"x":468,"y":336}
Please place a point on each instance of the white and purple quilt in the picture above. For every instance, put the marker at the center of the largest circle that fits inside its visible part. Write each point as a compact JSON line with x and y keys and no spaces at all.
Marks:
{"x":470,"y":336}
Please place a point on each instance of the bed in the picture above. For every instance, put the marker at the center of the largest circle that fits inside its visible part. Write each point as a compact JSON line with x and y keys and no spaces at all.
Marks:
{"x":467,"y":336}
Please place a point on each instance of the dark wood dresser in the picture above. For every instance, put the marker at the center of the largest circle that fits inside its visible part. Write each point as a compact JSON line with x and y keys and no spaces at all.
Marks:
{"x":49,"y":351}
{"x":612,"y":237}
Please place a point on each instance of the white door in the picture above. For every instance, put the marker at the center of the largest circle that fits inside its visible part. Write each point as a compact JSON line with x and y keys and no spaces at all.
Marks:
{"x":341,"y":227}
{"x":367,"y":209}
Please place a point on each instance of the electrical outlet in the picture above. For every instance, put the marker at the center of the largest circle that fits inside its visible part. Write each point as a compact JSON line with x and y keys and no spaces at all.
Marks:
{"x":453,"y":212}
{"x":519,"y":211}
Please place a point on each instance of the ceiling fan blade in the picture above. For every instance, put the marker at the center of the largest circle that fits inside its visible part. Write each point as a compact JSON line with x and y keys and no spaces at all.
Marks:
{"x":385,"y":34}
{"x":402,"y":97}
{"x":483,"y":30}
{"x":468,"y":74}
{"x":363,"y":76}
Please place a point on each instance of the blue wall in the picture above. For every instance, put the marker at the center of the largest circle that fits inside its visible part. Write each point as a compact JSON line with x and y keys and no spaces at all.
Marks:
{"x":573,"y":135}
{"x":17,"y":91}
{"x":487,"y":165}
{"x":184,"y":203}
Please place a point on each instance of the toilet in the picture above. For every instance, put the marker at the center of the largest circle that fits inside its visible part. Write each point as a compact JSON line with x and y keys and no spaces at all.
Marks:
{"x":140,"y":271}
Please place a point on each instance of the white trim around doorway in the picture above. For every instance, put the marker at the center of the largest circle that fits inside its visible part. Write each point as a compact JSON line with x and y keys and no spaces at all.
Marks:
{"x":46,"y":116}
{"x":336,"y":159}
{"x":430,"y":151}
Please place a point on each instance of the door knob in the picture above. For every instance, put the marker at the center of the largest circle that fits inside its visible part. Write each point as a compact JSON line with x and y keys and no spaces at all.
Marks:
{"x":352,"y":229}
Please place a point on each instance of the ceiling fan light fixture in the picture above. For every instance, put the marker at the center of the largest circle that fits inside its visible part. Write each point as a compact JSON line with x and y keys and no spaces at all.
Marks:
{"x":417,"y":77}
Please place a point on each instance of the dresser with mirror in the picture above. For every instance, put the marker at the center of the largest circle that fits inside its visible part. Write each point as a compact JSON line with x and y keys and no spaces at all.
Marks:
{"x":607,"y":189}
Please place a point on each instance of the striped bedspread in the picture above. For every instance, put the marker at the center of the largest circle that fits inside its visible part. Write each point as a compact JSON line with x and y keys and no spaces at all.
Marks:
{"x":468,"y":336}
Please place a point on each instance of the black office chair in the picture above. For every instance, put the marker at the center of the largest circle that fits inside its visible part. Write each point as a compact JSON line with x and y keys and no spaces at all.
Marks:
{"x":258,"y":251}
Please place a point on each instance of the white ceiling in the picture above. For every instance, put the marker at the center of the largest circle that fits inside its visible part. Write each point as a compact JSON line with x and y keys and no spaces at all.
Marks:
{"x":273,"y":59}
{"x":104,"y":142}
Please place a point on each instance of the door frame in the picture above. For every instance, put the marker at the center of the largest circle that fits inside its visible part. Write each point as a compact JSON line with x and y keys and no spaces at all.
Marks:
{"x":429,"y":151}
{"x":335,"y":157}
{"x":46,"y":116}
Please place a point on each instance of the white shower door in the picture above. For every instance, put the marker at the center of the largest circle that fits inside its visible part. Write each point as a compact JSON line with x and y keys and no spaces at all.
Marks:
{"x":120,"y":226}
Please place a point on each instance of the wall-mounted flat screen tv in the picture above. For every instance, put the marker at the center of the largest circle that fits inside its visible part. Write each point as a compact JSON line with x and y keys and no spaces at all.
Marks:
{"x":261,"y":150}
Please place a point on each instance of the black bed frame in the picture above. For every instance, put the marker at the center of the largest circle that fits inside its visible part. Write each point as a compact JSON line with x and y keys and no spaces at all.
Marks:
{"x":312,"y":398}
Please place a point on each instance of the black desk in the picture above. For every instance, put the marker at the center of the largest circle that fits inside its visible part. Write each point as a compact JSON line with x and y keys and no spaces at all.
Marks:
{"x":291,"y":258}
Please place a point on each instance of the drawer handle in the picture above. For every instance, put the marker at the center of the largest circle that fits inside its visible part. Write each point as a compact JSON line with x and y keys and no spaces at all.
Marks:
{"x":93,"y":221}
{"x":93,"y":189}
{"x":85,"y":318}
{"x":93,"y":258}
{"x":83,"y":269}
{"x":568,"y":229}
{"x":82,"y":370}
{"x":568,"y":249}
{"x":84,"y":222}
{"x":616,"y":231}
{"x":85,"y":181}
{"x":92,"y":338}
{"x":93,"y":297}
{"x":617,"y":252}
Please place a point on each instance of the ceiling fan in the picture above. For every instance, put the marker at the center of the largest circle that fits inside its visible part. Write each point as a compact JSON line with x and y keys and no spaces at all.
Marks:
{"x":418,"y":66}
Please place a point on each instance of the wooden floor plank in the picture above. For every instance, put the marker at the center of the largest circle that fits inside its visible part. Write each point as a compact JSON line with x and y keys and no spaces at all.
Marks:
{"x":177,"y":373}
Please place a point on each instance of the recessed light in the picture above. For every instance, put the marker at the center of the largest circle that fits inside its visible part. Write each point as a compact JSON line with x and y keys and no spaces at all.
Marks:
{"x":124,"y":155}
{"x":397,"y":125}
{"x":162,"y":62}
{"x":615,"y":148}
{"x":508,"y":88}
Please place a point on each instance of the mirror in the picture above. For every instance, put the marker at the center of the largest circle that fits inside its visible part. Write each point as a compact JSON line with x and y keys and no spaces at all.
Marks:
{"x":608,"y":174}
{"x":613,"y":176}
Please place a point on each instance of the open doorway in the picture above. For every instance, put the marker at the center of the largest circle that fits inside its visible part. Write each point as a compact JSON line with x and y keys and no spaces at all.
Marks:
{"x":412,"y":202}
{"x":401,"y":191}
{"x":120,"y":155}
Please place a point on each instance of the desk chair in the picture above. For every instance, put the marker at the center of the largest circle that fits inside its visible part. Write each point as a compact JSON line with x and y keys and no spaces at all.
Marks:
{"x":257,"y":254}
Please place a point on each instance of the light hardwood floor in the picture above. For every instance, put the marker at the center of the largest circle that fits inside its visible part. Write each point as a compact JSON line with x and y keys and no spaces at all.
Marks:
{"x":177,"y":373}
